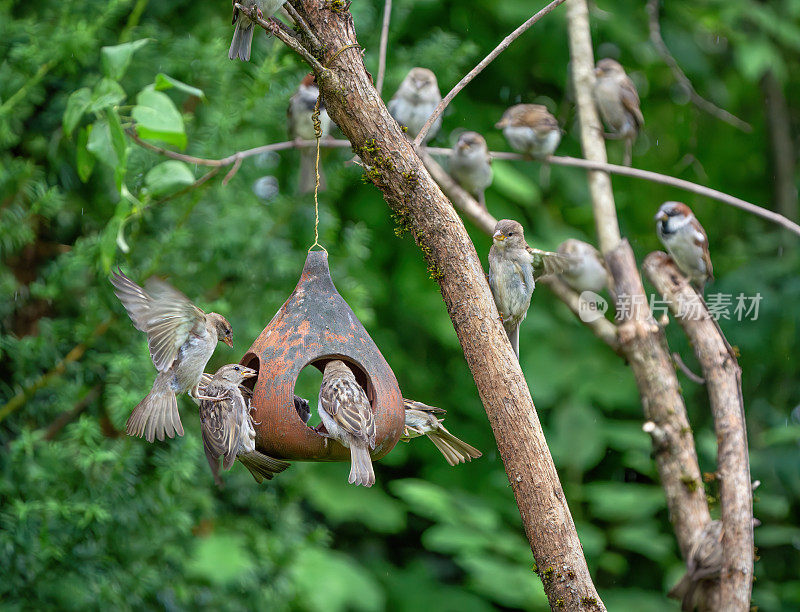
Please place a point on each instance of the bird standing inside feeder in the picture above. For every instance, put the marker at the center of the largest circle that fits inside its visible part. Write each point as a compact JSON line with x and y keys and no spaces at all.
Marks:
{"x":181,"y":338}
{"x":421,"y":420}
{"x":227,"y":427}
{"x":347,"y":417}
{"x":514,"y":268}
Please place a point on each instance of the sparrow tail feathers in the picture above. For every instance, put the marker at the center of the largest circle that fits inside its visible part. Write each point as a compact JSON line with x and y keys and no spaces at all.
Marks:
{"x":361,"y":472}
{"x":261,"y":466}
{"x":455,"y":450}
{"x":242,"y":40}
{"x":157,"y":414}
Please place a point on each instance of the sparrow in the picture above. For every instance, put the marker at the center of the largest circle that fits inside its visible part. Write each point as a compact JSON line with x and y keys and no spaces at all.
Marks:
{"x":470,"y":165}
{"x":588,"y":271}
{"x":513,"y":269}
{"x":421,"y":420}
{"x":686,"y":241}
{"x":530,"y":129}
{"x":301,"y":406}
{"x":181,"y":338}
{"x":227,"y":426}
{"x":243,"y":34}
{"x":347,"y":417}
{"x":704,"y":563}
{"x":618,"y":103}
{"x":415,"y":100}
{"x":301,"y":127}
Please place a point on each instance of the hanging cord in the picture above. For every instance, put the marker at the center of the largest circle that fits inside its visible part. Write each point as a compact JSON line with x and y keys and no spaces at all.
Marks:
{"x":318,"y":135}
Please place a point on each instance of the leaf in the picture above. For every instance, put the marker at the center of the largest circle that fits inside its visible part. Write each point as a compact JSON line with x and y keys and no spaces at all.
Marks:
{"x":77,"y":103}
{"x":100,"y":143}
{"x":157,"y":118}
{"x":164,"y":81}
{"x":116,"y":59}
{"x":167,"y":177}
{"x":106,"y":93}
{"x":84,"y":160}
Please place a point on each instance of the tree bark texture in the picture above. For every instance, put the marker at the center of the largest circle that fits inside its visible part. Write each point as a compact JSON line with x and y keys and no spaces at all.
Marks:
{"x":723,"y":381}
{"x":419,"y":206}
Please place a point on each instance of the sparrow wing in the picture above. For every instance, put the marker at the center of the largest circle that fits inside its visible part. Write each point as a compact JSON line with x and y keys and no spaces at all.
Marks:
{"x":347,"y":403}
{"x":701,"y":240}
{"x":630,"y":100}
{"x":134,"y":299}
{"x":546,"y":263}
{"x":412,"y":405}
{"x":170,"y":320}
{"x":221,"y":423}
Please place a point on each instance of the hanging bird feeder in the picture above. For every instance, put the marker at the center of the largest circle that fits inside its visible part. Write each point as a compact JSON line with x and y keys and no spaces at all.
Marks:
{"x":314,"y":326}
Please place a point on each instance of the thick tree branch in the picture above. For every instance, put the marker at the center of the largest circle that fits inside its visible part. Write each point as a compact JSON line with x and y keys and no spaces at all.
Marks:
{"x":723,"y":381}
{"x":479,"y":68}
{"x":392,"y":164}
{"x":698,"y":100}
{"x":640,"y":337}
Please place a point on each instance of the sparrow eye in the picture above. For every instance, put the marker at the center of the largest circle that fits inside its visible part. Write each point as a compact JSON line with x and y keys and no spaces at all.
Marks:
{"x":237,"y":368}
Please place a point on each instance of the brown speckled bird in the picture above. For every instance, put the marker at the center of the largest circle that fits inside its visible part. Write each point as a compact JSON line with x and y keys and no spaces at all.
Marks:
{"x":530,"y":129}
{"x":227,"y":426}
{"x":618,"y":103}
{"x":686,"y":240}
{"x":347,"y":417}
{"x":181,"y":338}
{"x":421,"y":420}
{"x":471,"y":166}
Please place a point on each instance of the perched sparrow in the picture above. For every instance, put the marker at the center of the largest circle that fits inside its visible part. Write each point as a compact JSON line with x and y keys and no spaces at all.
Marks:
{"x":415,"y":100}
{"x":182,"y":339}
{"x":243,"y":34}
{"x":686,"y":240}
{"x":513,"y":269}
{"x":618,"y":103}
{"x":347,"y":417}
{"x":421,"y":420}
{"x":704,"y":563}
{"x":588,"y":271}
{"x":530,"y":129}
{"x":227,"y":426}
{"x":470,"y":165}
{"x":301,"y":127}
{"x":300,"y":405}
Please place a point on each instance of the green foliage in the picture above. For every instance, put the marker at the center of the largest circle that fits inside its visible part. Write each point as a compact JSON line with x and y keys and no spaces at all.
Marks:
{"x":92,"y":518}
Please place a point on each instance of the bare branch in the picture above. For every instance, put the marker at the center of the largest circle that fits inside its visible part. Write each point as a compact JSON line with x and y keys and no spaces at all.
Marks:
{"x":604,"y":329}
{"x":676,"y":358}
{"x":479,"y":68}
{"x":387,"y":15}
{"x":698,"y":100}
{"x":723,"y":382}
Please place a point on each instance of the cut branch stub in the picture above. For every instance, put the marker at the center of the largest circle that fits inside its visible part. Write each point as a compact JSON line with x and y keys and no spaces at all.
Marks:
{"x":314,"y":326}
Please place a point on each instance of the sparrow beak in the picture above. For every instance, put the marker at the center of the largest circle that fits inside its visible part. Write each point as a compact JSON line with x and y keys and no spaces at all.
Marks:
{"x":661,"y":216}
{"x":249,"y":373}
{"x":501,"y":124}
{"x":499,"y":236}
{"x":228,"y":340}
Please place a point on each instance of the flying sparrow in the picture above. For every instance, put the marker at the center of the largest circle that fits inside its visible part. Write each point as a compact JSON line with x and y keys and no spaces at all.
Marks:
{"x":513,"y":269}
{"x":530,"y":129}
{"x":301,"y":127}
{"x":588,"y":271}
{"x":618,"y":102}
{"x":181,"y":338}
{"x":421,"y":420}
{"x":686,"y":241}
{"x":470,"y":165}
{"x":243,"y":34}
{"x":415,"y":100}
{"x":704,"y":563}
{"x":347,"y":417}
{"x":227,"y":426}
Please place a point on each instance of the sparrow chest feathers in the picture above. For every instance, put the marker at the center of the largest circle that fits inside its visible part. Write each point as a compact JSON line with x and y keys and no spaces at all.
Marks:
{"x":471,"y":169}
{"x":345,"y":412}
{"x":607,"y":97}
{"x":413,"y":114}
{"x":419,"y":423}
{"x":685,"y":244}
{"x":534,"y":142}
{"x":192,"y":358}
{"x":588,"y":274}
{"x":511,"y":280}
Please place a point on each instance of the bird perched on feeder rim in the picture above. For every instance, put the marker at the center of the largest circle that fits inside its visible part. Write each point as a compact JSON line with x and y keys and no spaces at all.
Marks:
{"x":414,"y":102}
{"x":181,"y":338}
{"x":703,"y":563}
{"x":299,"y":117}
{"x":243,"y":33}
{"x":514,"y":268}
{"x":531,"y":129}
{"x":346,"y":416}
{"x":227,"y":426}
{"x":471,"y":166}
{"x":618,"y":103}
{"x":686,"y":241}
{"x":588,"y":270}
{"x":421,"y":420}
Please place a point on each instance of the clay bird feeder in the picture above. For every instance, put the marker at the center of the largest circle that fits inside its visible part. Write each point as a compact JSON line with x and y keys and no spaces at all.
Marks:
{"x":314,"y":326}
